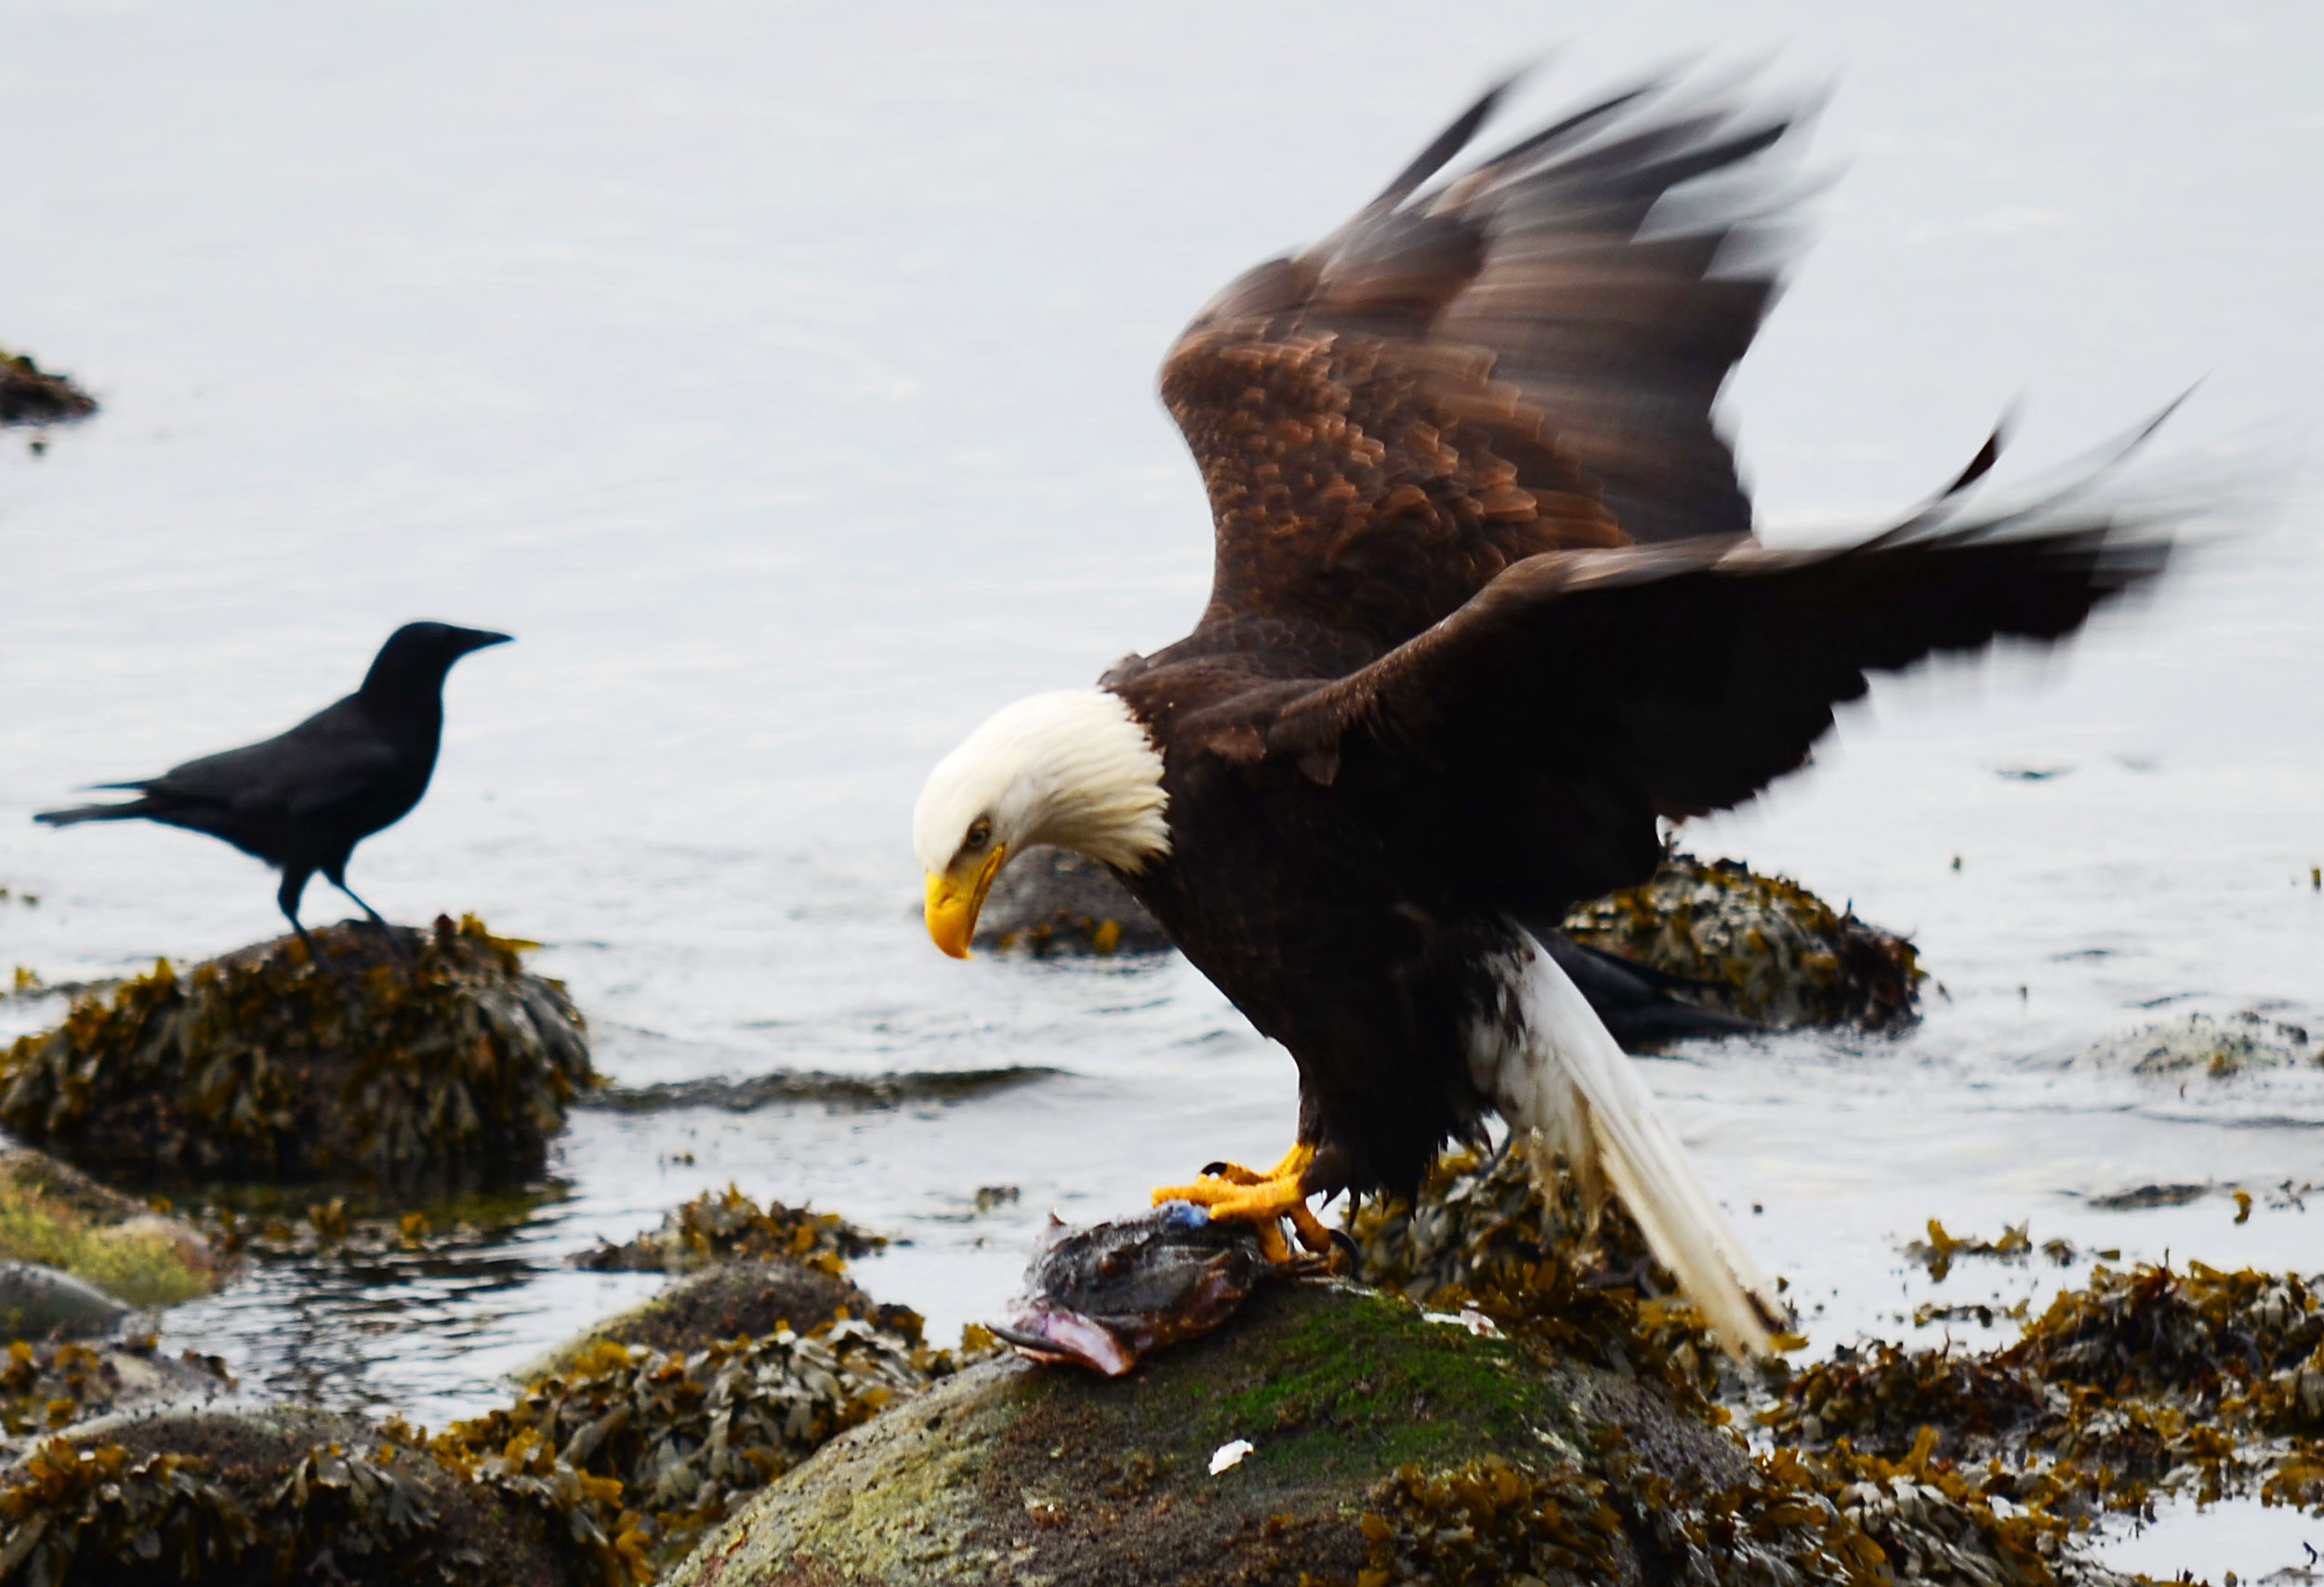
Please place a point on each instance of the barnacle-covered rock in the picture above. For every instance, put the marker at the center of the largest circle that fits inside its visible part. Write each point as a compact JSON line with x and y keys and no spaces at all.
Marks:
{"x":52,"y":1213}
{"x":30,"y":394}
{"x":727,"y":1226}
{"x":442,"y":1060}
{"x":1763,"y":948}
{"x":1052,"y":900}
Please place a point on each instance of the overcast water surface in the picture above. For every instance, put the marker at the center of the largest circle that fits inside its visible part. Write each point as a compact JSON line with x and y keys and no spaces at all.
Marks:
{"x":781,"y":376}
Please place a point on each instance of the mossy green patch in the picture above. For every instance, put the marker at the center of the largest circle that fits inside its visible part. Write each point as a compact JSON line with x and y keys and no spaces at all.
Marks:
{"x":52,"y":1214}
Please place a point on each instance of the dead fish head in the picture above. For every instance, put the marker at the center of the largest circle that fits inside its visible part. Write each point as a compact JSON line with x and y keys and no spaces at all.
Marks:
{"x":1103,"y":1296}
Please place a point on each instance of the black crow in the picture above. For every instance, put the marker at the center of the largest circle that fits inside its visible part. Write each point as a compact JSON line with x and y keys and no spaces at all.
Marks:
{"x":302,"y":801}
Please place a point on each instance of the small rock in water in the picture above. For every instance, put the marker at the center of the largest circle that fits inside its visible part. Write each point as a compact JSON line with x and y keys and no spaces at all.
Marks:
{"x":2241,"y":1044}
{"x":1054,"y":901}
{"x":40,"y":1302}
{"x":1101,"y":1297}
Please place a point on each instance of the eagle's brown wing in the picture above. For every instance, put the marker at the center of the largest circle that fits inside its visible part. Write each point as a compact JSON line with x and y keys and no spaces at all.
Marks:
{"x":1457,"y":380}
{"x":1584,"y":694}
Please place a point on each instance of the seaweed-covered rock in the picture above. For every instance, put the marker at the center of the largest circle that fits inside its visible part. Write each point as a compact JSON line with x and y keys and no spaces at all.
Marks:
{"x":729,"y":1227}
{"x":1054,"y":901}
{"x":682,"y":1436}
{"x":205,"y":1499}
{"x":1763,"y":948}
{"x":52,"y":1213}
{"x":443,"y":1059}
{"x":30,"y":394}
{"x":48,"y":1384}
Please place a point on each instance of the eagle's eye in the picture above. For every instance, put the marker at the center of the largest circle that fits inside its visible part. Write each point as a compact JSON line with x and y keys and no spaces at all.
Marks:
{"x":980,"y":834}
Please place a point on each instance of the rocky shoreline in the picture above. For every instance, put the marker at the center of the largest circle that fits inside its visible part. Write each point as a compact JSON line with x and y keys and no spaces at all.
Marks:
{"x":1495,"y":1388}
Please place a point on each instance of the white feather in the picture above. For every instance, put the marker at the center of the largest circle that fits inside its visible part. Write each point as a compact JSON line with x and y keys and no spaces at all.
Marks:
{"x":1551,"y":1066}
{"x":1072,"y":767}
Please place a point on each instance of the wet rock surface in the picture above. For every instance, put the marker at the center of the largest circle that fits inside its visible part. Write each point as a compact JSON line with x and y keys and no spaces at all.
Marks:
{"x":437,"y":1059}
{"x":1050,"y":901}
{"x":40,"y":1302}
{"x":30,"y":394}
{"x":52,"y":1213}
{"x":1761,"y":947}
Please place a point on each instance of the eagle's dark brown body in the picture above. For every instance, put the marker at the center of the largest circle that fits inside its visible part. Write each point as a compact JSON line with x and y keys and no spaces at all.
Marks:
{"x":1486,"y":606}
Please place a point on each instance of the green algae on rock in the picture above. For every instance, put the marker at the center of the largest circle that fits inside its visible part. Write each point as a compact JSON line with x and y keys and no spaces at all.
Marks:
{"x":444,"y":1061}
{"x":52,"y":1213}
{"x":1764,"y":947}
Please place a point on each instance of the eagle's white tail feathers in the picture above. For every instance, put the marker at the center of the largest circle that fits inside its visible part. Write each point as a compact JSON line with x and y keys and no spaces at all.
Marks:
{"x":1552,"y":1066}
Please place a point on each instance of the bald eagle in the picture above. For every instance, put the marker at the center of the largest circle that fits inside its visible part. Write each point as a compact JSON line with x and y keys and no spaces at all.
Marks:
{"x":1486,"y":607}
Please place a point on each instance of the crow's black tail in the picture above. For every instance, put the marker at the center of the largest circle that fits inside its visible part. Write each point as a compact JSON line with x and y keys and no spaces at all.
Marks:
{"x":130,"y":812}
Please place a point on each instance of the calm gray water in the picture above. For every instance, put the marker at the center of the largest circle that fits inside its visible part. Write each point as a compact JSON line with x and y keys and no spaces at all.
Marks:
{"x":781,"y":376}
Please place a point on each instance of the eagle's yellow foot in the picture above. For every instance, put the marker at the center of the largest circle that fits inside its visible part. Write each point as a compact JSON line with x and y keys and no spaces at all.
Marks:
{"x":1231,"y":1192}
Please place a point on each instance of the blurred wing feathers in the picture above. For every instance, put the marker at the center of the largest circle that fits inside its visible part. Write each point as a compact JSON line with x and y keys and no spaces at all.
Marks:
{"x":1459,"y":379}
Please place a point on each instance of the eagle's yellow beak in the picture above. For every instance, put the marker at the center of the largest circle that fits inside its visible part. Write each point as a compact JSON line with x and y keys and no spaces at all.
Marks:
{"x":955,"y":897}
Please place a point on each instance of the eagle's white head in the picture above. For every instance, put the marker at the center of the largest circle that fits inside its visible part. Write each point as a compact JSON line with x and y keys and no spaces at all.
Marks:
{"x":1073,"y":768}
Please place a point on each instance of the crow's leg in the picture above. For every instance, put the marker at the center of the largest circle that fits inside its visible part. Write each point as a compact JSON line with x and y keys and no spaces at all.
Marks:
{"x":294,"y":887}
{"x":395,"y":938}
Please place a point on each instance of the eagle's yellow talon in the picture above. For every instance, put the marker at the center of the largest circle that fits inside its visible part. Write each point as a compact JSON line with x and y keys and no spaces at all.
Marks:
{"x":1239,"y":1194}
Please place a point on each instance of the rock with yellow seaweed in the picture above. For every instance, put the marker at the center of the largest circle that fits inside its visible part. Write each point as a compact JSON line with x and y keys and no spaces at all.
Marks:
{"x":1763,"y":948}
{"x":435,"y":1055}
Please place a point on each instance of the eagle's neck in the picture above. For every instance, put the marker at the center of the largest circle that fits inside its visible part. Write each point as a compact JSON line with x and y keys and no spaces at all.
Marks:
{"x":1093,"y":778}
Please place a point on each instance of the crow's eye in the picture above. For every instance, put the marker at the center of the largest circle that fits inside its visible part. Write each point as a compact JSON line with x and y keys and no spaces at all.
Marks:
{"x":980,"y":834}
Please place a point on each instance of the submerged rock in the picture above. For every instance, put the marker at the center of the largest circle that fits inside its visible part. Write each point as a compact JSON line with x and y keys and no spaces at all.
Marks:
{"x":2245,"y":1043}
{"x":444,"y":1059}
{"x":1763,"y":947}
{"x":1054,"y":901}
{"x":52,"y":1213}
{"x":30,"y":394}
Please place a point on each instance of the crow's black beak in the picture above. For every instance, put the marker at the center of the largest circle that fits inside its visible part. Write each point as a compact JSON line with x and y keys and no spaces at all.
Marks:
{"x":481,"y":639}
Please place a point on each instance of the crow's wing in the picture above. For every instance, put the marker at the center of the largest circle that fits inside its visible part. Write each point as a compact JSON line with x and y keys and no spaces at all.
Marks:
{"x":334,"y":755}
{"x":1507,"y":366}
